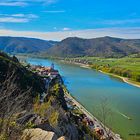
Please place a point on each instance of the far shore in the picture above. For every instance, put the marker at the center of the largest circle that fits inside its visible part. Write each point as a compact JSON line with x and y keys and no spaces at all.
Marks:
{"x":124,"y":79}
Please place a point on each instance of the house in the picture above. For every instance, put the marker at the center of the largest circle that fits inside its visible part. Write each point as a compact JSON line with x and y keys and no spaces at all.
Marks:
{"x":46,"y":71}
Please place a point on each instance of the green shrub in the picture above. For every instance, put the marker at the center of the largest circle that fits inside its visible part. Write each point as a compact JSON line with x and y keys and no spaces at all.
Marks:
{"x":53,"y":118}
{"x":29,"y":125}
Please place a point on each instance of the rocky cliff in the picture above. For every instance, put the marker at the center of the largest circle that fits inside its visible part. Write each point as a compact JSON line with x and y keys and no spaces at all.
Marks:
{"x":22,"y":116}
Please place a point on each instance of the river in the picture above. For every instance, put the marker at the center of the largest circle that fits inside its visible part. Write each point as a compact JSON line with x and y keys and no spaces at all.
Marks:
{"x":91,"y":87}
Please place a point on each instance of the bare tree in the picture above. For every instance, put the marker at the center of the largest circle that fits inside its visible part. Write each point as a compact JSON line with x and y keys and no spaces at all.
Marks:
{"x":106,"y":117}
{"x":12,"y":101}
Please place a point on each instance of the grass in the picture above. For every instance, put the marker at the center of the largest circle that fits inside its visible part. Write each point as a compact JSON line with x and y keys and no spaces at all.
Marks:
{"x":46,"y":110}
{"x":126,"y":62}
{"x":53,"y":119}
{"x":128,"y":67}
{"x":132,"y":64}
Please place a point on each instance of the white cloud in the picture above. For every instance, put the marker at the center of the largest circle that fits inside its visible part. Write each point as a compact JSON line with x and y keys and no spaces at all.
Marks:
{"x":25,"y":15}
{"x":21,"y":4}
{"x":18,"y":15}
{"x":57,"y":11}
{"x":66,"y":29}
{"x":91,"y":33}
{"x":13,"y":20}
{"x":16,"y":18}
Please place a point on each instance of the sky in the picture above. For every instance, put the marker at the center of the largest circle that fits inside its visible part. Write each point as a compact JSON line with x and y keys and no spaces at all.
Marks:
{"x":58,"y":19}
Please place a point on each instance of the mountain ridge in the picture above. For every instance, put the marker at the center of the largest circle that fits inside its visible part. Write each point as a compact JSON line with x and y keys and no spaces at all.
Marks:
{"x":24,"y":45}
{"x":72,"y":46}
{"x":98,"y":47}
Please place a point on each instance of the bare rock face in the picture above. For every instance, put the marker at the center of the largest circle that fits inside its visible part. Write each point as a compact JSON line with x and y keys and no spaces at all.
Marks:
{"x":62,"y":138}
{"x":38,"y":134}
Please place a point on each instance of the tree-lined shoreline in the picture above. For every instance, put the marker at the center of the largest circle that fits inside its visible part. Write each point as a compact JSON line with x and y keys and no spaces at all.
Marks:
{"x":105,"y":70}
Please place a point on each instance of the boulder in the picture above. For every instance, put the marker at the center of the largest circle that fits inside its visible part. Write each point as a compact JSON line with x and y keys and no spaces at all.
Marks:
{"x":62,"y":138}
{"x":38,"y":134}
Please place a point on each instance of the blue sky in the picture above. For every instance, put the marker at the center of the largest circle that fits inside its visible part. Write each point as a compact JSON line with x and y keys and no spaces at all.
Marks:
{"x":57,"y":19}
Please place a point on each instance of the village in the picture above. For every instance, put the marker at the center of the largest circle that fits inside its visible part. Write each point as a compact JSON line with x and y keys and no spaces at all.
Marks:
{"x":101,"y":131}
{"x":45,"y":71}
{"x":48,"y":74}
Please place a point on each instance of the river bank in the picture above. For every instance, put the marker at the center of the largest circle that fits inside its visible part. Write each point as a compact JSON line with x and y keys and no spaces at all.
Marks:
{"x":97,"y":123}
{"x":124,"y":79}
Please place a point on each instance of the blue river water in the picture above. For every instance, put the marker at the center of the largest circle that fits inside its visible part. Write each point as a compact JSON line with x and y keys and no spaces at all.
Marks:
{"x":91,"y":88}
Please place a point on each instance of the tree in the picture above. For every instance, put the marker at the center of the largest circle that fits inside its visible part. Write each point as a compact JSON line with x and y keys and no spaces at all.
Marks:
{"x":105,"y":114}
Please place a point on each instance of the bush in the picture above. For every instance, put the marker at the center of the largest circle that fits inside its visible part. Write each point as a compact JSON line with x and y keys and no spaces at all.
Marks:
{"x":41,"y":109}
{"x":136,"y":77}
{"x":29,"y":125}
{"x":53,"y":119}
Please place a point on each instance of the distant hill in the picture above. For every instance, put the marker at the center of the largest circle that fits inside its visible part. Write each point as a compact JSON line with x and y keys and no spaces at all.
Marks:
{"x":24,"y":45}
{"x":101,"y":47}
{"x":72,"y":47}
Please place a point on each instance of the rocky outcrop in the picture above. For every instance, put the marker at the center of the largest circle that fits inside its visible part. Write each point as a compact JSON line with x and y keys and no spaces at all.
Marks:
{"x":38,"y":134}
{"x":62,"y":138}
